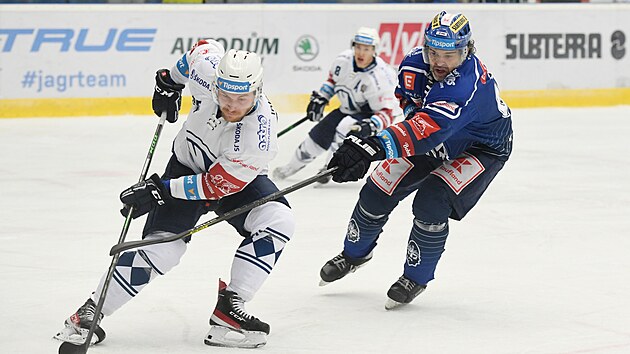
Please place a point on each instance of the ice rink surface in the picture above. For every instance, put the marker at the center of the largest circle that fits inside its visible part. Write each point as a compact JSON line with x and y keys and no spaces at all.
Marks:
{"x":541,"y":265}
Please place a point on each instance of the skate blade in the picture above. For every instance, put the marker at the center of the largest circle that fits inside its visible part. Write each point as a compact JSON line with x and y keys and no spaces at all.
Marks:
{"x":391,"y":304}
{"x":70,"y":335}
{"x":323,"y":282}
{"x":220,"y":336}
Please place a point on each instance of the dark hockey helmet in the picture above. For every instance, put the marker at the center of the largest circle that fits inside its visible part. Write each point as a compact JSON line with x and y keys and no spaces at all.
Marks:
{"x":448,"y":32}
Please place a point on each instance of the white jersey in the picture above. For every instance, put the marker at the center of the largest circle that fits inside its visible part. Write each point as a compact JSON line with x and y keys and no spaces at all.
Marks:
{"x":225,"y":156}
{"x":363,"y":90}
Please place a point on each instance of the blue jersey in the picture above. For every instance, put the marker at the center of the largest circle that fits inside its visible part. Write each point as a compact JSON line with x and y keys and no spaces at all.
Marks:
{"x":445,"y":118}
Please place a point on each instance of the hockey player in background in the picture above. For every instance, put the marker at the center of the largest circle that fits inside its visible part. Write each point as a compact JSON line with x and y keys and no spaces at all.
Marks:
{"x":219,"y":163}
{"x":364,"y":84}
{"x":456,"y":137}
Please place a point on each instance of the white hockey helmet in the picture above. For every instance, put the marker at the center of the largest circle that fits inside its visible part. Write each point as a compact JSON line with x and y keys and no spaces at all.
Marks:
{"x":240,"y":71}
{"x":367,"y":36}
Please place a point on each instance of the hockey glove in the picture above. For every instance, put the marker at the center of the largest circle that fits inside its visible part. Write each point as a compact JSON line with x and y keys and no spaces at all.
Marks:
{"x":315,"y":108}
{"x":409,"y":108}
{"x":144,"y":196}
{"x":363,"y":128}
{"x":354,"y":156}
{"x":167,"y":96}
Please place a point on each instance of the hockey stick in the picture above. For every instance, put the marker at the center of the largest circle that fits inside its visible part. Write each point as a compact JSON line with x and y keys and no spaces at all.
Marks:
{"x":285,"y":130}
{"x":121,"y":247}
{"x":70,"y":348}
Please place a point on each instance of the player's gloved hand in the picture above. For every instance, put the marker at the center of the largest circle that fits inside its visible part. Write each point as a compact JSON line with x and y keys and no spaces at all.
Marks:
{"x":315,"y":108}
{"x":354,"y":156}
{"x":409,"y":110}
{"x":167,"y":95}
{"x":364,"y":128}
{"x":144,"y":196}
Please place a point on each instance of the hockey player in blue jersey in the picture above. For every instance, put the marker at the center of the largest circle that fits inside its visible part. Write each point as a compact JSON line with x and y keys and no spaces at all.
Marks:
{"x":456,"y":137}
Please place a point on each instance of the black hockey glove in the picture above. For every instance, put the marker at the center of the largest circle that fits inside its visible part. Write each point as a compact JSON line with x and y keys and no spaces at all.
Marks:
{"x":167,"y":96}
{"x":363,"y":128}
{"x":354,"y":156}
{"x":144,"y":196}
{"x":315,"y":108}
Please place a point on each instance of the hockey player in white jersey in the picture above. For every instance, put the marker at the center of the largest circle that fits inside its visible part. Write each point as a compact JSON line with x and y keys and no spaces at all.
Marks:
{"x":364,"y":84}
{"x":219,"y":163}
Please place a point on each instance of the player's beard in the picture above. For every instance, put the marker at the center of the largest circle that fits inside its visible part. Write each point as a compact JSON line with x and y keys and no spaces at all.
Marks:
{"x":233,"y":115}
{"x":440,"y":72}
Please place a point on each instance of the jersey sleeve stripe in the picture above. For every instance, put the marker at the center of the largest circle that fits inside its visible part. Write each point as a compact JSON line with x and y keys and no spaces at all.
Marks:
{"x":402,"y":132}
{"x":391,"y":151}
{"x":182,"y":66}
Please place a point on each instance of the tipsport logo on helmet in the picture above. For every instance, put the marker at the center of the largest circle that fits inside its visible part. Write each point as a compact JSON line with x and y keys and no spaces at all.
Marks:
{"x":232,"y":86}
{"x":441,"y":43}
{"x":363,"y":40}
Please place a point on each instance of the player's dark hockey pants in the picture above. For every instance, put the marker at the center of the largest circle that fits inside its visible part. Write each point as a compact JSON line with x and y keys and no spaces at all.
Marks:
{"x":323,"y":133}
{"x":444,"y":189}
{"x":266,"y":229}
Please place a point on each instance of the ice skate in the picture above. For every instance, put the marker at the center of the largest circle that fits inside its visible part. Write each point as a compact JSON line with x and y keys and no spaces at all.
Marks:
{"x":402,"y":292}
{"x":339,"y":267}
{"x":232,"y":326}
{"x":283,"y":172}
{"x":78,"y":325}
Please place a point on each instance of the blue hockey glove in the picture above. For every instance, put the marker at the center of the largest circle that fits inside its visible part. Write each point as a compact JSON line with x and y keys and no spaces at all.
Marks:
{"x":315,"y":108}
{"x":167,"y":96}
{"x":354,"y":156}
{"x":144,"y":196}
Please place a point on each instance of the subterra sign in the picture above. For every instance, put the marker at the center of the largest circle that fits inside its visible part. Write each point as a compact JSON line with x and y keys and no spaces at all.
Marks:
{"x":562,"y":45}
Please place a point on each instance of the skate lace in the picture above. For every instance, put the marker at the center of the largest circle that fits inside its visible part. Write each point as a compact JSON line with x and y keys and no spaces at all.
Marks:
{"x":340,"y":261}
{"x":238,"y":306}
{"x":406,"y":283}
{"x":86,"y":313}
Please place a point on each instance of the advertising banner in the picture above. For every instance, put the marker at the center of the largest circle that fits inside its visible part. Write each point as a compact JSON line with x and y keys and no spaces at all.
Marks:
{"x":98,"y":53}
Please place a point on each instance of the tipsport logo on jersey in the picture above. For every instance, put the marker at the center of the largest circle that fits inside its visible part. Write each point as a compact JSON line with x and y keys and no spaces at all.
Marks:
{"x":397,"y":39}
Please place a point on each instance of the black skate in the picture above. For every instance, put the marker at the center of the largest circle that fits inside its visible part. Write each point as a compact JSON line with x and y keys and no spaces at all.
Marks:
{"x":78,"y":325}
{"x":232,"y":326}
{"x":340,"y":266}
{"x":402,"y":292}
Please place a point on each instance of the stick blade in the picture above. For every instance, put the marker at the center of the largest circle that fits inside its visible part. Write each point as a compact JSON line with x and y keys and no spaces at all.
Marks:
{"x":69,"y":348}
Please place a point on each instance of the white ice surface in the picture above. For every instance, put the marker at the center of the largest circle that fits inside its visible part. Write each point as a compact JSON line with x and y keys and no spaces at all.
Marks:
{"x":541,"y":265}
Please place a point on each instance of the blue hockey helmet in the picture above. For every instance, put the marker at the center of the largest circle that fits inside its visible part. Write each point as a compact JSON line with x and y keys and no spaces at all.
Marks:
{"x":448,"y":32}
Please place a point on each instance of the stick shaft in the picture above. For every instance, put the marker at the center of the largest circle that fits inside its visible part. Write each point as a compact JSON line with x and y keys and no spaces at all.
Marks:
{"x":287,"y":129}
{"x":121,"y":247}
{"x":123,"y":233}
